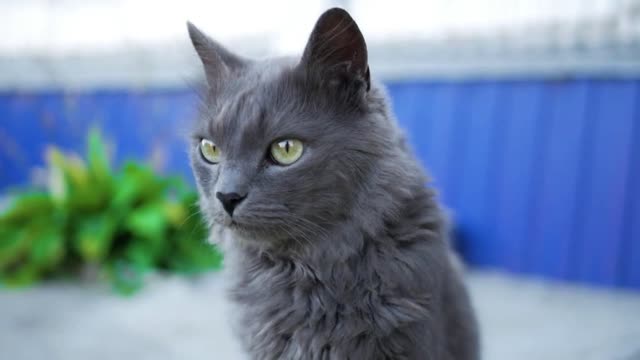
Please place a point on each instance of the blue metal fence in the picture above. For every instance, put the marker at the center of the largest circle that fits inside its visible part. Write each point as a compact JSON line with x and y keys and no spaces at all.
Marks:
{"x":543,"y":176}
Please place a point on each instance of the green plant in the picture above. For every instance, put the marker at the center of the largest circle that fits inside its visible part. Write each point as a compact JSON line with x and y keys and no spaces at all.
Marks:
{"x":124,"y":223}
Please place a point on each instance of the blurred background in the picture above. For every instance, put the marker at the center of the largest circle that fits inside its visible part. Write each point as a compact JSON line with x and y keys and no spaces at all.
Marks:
{"x":526,"y":113}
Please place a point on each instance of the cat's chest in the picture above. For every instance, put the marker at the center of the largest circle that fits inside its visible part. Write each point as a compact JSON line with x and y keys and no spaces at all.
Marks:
{"x":286,"y":311}
{"x":284,"y":300}
{"x":287,"y":307}
{"x":295,"y":291}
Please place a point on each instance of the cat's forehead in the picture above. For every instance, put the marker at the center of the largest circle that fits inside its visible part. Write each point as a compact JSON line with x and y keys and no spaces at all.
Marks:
{"x":254,"y":79}
{"x":256,"y":75}
{"x":251,"y":98}
{"x":268,"y":70}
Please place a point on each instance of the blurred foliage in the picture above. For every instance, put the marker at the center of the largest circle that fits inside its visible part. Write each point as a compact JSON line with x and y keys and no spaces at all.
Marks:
{"x":123,"y":224}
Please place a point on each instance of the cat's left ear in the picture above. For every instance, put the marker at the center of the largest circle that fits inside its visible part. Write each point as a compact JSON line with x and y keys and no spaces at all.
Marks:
{"x":336,"y":47}
{"x":219,"y":63}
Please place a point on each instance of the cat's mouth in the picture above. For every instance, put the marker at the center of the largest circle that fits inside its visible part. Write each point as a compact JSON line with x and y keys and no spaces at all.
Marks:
{"x":249,"y":231}
{"x":229,"y":222}
{"x":235,"y":224}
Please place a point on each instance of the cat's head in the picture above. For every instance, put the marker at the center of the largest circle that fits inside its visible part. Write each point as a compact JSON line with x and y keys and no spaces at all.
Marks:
{"x":284,"y":147}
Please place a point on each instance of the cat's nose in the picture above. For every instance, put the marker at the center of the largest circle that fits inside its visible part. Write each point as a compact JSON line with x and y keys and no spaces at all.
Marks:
{"x":230,"y":201}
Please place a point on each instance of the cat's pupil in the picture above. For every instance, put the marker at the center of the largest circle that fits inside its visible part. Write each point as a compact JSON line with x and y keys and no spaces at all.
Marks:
{"x":286,"y":146}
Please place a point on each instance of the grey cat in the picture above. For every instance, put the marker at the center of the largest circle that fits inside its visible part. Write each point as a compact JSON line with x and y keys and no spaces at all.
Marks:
{"x":337,"y":248}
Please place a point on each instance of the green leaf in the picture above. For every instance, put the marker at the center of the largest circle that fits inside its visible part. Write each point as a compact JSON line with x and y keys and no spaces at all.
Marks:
{"x":126,"y":192}
{"x":73,"y":169}
{"x":22,"y":277}
{"x":14,"y":245}
{"x":175,"y":212}
{"x":87,"y":198}
{"x":26,"y":206}
{"x":148,"y":222}
{"x":137,"y":184}
{"x":192,"y":253}
{"x":73,"y":187}
{"x":126,"y":222}
{"x":94,"y":236}
{"x":98,"y":160}
{"x":58,"y":185}
{"x":48,"y":248}
{"x":196,"y":259}
{"x":178,"y":185}
{"x":141,"y":254}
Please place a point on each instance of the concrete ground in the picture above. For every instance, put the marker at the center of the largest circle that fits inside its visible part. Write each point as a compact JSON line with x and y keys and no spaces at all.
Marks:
{"x":174,"y":318}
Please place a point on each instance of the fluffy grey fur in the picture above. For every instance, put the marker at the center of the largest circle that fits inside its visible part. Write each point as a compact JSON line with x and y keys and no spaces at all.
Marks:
{"x":343,"y":254}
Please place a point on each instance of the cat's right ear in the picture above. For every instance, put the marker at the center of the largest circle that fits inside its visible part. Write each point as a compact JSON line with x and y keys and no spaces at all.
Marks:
{"x":218,"y":62}
{"x":337,"y":49}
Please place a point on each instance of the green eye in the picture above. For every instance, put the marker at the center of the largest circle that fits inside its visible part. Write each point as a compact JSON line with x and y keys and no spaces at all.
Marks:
{"x":210,"y":152}
{"x":286,"y":152}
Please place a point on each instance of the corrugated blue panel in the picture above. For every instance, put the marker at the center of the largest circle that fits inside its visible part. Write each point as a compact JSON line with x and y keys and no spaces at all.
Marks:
{"x":553,"y":222}
{"x":29,"y":123}
{"x":146,"y":126}
{"x":605,"y":191}
{"x":630,"y":276}
{"x":541,"y":176}
{"x":439,"y":147}
{"x":473,"y":173}
{"x":516,"y":184}
{"x":434,"y":131}
{"x":412,"y":104}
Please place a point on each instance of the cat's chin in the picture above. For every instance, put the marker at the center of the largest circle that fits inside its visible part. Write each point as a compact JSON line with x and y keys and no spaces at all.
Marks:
{"x":238,"y":230}
{"x":228,"y":231}
{"x":254,"y":238}
{"x":228,"y":234}
{"x":245,"y":234}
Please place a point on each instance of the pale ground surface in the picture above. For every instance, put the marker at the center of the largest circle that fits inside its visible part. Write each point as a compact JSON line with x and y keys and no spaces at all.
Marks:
{"x":178,"y":319}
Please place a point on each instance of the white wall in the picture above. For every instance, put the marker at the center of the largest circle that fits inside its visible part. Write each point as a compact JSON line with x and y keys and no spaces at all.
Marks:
{"x":140,"y":42}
